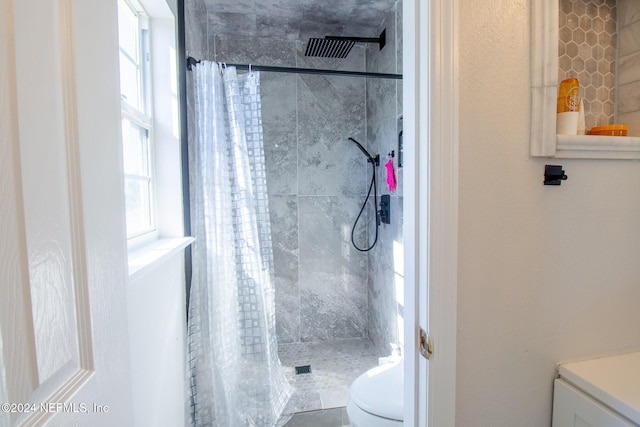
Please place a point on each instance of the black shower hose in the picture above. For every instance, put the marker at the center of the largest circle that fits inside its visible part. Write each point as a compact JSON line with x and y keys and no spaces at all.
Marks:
{"x":364,"y":205}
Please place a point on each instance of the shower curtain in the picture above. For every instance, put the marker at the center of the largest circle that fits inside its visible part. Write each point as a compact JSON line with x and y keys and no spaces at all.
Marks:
{"x":236,"y":378}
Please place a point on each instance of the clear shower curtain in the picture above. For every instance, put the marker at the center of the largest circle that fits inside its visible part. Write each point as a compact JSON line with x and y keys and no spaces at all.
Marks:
{"x":236,"y":376}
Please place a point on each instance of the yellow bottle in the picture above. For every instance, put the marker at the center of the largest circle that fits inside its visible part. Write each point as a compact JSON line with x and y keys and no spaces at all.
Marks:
{"x":568,"y":96}
{"x":568,"y":107}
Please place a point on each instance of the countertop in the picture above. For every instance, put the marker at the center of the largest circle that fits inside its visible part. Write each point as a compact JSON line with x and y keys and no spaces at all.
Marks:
{"x":614,"y":380}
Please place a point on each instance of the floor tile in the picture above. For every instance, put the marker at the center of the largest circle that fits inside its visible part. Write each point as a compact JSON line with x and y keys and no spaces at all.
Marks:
{"x":325,"y":418}
{"x":334,"y":366}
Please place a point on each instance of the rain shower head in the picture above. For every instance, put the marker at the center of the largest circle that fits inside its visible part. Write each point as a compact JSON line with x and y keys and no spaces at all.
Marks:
{"x":339,"y":47}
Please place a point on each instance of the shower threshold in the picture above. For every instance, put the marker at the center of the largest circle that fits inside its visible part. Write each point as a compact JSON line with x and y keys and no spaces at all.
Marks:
{"x":334,"y":365}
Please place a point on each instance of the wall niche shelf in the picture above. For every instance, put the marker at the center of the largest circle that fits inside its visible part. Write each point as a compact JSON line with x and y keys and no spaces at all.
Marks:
{"x":544,"y":92}
{"x":597,"y":147}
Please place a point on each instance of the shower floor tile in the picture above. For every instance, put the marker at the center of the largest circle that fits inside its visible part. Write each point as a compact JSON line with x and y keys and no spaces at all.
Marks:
{"x":324,"y":418}
{"x":334,"y":366}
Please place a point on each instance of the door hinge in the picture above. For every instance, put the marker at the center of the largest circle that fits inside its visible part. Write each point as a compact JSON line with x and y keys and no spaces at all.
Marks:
{"x":426,"y":345}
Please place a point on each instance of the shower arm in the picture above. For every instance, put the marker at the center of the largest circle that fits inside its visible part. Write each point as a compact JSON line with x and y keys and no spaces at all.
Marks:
{"x":381,"y":40}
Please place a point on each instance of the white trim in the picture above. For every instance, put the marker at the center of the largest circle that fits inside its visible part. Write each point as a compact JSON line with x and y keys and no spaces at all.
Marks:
{"x":443,"y":212}
{"x":544,"y":76}
{"x":135,"y":116}
{"x":19,"y":365}
{"x":76,"y":212}
{"x":431,"y":183}
{"x":597,"y":147}
{"x":145,"y":258}
{"x":410,"y":85}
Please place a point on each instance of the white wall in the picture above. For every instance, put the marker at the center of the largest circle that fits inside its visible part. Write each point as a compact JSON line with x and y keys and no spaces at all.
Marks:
{"x":546,"y":273}
{"x":157,"y":333}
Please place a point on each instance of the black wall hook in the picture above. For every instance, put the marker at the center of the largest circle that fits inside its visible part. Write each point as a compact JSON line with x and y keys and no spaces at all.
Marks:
{"x":554,"y":175}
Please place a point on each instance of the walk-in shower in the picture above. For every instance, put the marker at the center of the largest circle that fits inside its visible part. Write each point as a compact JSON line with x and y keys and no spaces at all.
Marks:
{"x":337,"y":308}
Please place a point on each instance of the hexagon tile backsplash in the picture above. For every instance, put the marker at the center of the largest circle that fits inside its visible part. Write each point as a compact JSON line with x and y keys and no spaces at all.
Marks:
{"x":587,"y":50}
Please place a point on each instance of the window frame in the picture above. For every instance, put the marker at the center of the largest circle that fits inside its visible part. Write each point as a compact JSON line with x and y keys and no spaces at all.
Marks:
{"x":142,"y":118}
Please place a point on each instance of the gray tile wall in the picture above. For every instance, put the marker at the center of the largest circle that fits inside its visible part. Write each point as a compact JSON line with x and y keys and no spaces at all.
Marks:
{"x":317,"y":180}
{"x":195,"y":16}
{"x":629,"y":65}
{"x":384,"y":107}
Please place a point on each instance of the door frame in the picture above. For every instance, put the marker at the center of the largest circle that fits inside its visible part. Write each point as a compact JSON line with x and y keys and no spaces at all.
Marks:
{"x":430,"y":110}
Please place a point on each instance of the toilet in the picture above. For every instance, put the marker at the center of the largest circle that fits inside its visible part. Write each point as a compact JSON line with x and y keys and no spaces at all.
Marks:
{"x":376,"y":397}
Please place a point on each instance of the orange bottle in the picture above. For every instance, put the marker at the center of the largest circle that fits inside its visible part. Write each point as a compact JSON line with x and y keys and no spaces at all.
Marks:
{"x":568,"y":107}
{"x":568,"y":96}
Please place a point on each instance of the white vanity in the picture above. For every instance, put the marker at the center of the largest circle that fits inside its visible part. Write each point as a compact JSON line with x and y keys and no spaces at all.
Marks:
{"x":601,"y":392}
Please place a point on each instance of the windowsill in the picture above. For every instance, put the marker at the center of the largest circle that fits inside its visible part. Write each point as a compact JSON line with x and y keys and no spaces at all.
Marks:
{"x":149,"y":256}
{"x":597,"y":147}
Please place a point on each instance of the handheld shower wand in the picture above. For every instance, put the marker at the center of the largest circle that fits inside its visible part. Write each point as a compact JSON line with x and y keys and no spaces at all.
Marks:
{"x":366,"y":153}
{"x":375,"y":161}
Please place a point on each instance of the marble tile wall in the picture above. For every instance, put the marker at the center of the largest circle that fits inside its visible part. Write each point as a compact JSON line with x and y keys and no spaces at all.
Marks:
{"x":195,"y":16}
{"x":629,"y":65}
{"x":316,"y":181}
{"x":384,"y":108}
{"x":296,"y":19}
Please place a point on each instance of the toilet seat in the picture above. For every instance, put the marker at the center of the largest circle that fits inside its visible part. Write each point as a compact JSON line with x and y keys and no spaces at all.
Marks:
{"x":376,"y":397}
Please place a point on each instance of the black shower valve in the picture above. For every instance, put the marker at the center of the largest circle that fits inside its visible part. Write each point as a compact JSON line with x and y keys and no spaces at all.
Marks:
{"x":384,"y":214}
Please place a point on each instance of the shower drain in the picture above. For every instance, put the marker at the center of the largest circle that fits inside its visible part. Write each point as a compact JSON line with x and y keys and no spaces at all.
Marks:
{"x":305,"y":369}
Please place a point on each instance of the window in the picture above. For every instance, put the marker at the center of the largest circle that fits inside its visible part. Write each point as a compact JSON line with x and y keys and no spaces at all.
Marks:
{"x":151,"y":143}
{"x":137,"y":131}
